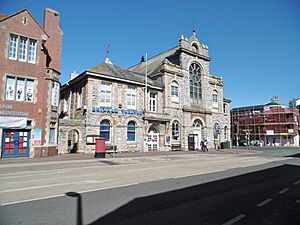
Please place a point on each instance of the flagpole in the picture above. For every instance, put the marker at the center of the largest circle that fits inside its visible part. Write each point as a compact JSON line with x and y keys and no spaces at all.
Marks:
{"x":145,"y":105}
{"x":146,"y":82}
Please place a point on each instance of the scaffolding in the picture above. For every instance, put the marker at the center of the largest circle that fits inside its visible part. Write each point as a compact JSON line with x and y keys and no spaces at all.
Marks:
{"x":259,"y":125}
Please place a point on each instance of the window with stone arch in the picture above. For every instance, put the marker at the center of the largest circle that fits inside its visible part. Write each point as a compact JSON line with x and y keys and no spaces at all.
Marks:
{"x":217,"y":130}
{"x":105,"y":130}
{"x":198,"y":127}
{"x":215,"y":99}
{"x":195,"y":83}
{"x":174,"y":91}
{"x":225,"y":132}
{"x":175,"y":130}
{"x":131,"y":131}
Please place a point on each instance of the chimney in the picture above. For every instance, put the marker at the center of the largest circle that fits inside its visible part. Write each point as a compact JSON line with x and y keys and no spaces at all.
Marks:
{"x":54,"y":43}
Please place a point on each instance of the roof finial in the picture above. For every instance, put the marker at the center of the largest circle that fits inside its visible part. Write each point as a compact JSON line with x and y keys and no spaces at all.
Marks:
{"x":107,"y":50}
{"x":194,"y":29}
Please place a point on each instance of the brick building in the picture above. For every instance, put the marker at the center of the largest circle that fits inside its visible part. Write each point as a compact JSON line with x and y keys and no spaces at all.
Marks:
{"x":29,"y":92}
{"x":176,"y":106}
{"x":269,"y":124}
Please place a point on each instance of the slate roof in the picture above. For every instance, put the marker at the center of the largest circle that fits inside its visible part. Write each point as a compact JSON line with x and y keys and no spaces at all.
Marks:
{"x":154,"y":62}
{"x":109,"y":69}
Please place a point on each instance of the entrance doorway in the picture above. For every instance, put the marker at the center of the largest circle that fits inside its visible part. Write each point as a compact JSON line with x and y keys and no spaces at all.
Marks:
{"x":197,"y":131}
{"x":153,"y":140}
{"x":73,"y":138}
{"x":15,"y":143}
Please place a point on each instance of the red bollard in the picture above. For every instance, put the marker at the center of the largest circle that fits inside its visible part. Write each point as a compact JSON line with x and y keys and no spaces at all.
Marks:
{"x":100,"y":148}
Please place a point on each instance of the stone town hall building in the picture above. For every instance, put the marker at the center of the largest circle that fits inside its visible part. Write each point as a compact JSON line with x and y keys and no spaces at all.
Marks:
{"x":184,"y":104}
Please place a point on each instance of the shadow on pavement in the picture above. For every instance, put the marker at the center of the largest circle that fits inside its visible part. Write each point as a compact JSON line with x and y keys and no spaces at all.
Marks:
{"x":216,"y":202}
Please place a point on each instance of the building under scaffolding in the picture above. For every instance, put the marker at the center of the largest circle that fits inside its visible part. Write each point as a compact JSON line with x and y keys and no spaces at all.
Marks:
{"x":271,"y":124}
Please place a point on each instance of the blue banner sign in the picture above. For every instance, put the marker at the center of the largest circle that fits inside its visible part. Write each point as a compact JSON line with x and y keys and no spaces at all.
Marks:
{"x":117,"y":111}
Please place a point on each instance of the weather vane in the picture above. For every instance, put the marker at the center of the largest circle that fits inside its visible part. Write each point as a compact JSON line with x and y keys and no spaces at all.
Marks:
{"x":107,"y":50}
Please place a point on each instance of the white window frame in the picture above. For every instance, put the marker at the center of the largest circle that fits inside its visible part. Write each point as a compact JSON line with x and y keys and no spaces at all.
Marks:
{"x":105,"y":94}
{"x":131,"y":98}
{"x":13,"y":47}
{"x":32,"y":51}
{"x":215,"y":99}
{"x":174,"y":92}
{"x":28,"y":90}
{"x":153,"y":102}
{"x":23,"y":49}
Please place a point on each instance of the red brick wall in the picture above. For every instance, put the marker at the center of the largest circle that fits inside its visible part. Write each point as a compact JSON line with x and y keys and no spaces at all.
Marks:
{"x":52,"y":27}
{"x":37,"y":110}
{"x":31,"y":29}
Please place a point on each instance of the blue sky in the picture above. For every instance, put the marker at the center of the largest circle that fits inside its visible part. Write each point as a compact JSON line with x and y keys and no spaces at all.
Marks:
{"x":254,"y":44}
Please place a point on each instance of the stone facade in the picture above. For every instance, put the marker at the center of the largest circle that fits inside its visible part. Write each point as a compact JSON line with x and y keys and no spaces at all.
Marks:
{"x":183,"y":104}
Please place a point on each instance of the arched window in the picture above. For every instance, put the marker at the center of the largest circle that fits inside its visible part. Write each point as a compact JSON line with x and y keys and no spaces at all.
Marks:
{"x":174,"y":92}
{"x":105,"y":129}
{"x":175,"y":130}
{"x":225,"y":132}
{"x":197,"y":123}
{"x":195,"y":83}
{"x":217,"y":130}
{"x":195,"y":47}
{"x":215,"y":97}
{"x":131,"y":131}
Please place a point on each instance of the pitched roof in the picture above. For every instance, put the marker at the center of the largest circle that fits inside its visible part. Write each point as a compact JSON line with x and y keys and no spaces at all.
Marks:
{"x":154,"y":62}
{"x":109,"y":69}
{"x":3,"y":17}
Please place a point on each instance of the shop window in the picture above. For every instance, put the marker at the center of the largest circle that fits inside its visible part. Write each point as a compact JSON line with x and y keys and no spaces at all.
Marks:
{"x":174,"y":92}
{"x":175,"y":130}
{"x":19,"y":89}
{"x":131,"y":131}
{"x":131,"y":98}
{"x":105,"y":130}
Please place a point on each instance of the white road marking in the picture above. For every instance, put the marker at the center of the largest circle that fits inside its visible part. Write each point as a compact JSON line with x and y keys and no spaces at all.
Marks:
{"x":51,"y":185}
{"x":196,"y":174}
{"x":297,"y":182}
{"x":61,"y":195}
{"x":261,"y":204}
{"x":235,"y":219}
{"x":283,"y":190}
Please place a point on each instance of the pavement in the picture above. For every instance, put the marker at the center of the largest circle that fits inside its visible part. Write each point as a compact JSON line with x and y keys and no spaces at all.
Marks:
{"x":82,"y":156}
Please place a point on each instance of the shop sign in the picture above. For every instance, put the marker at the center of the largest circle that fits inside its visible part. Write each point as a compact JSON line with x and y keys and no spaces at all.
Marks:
{"x":13,"y":122}
{"x":117,"y":111}
{"x":5,"y":111}
{"x":269,"y":132}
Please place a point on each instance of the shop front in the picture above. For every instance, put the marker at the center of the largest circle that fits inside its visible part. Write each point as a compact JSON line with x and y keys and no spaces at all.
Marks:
{"x":15,"y":137}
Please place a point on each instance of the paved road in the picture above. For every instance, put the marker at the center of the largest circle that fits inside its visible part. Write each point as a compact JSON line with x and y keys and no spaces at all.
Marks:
{"x":136,"y":189}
